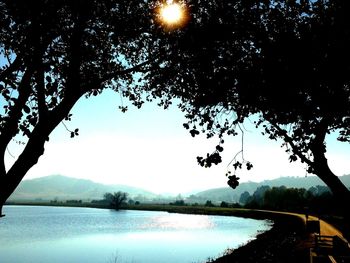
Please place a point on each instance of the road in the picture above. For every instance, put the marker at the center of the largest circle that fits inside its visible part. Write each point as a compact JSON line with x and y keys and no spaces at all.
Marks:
{"x":326,"y":229}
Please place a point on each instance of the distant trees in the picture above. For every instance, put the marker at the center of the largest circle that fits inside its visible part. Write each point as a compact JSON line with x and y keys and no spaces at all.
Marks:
{"x":285,"y":198}
{"x":74,"y":201}
{"x":244,"y":198}
{"x":292,"y":199}
{"x":179,"y":202}
{"x":209,"y":203}
{"x":116,"y":199}
{"x":224,"y":204}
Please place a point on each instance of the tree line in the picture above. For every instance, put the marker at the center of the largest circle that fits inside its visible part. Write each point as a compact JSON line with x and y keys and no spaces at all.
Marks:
{"x":317,"y":199}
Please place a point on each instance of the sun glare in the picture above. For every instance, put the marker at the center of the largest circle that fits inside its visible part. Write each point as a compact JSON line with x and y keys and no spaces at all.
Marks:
{"x":172,"y":14}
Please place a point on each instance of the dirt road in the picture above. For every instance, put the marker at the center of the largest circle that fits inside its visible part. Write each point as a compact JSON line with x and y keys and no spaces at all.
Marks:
{"x":326,"y":229}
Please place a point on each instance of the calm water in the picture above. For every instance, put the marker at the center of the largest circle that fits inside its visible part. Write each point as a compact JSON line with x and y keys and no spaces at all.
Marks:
{"x":63,"y":234}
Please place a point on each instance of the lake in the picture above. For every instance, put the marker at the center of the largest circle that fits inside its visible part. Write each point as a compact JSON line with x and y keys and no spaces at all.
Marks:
{"x":69,"y":234}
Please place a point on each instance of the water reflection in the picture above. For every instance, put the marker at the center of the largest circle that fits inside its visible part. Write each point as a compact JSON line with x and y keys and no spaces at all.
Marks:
{"x":179,"y":222}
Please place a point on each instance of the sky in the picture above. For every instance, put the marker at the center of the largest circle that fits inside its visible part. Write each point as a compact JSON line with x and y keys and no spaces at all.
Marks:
{"x":149,"y":148}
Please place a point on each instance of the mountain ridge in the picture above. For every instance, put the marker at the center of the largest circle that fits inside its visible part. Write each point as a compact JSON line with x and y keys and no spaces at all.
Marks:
{"x":232,"y":195}
{"x":63,"y":188}
{"x":59,"y":187}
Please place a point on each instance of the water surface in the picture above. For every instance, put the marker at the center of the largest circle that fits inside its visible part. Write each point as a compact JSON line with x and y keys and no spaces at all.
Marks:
{"x":66,"y":234}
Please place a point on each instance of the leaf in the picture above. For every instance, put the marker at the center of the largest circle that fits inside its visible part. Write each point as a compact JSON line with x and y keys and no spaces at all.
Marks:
{"x":249,"y":166}
{"x":123,"y":108}
{"x":68,"y":118}
{"x":219,"y":148}
{"x":194,"y":132}
{"x":26,"y":109}
{"x":233,"y":181}
{"x":293,"y":158}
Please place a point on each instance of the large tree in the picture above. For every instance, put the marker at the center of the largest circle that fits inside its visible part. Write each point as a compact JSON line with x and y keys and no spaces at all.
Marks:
{"x":286,"y":63}
{"x":53,"y":52}
{"x":115,"y":200}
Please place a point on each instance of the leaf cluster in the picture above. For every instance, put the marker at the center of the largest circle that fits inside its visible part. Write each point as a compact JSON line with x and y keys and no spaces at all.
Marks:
{"x":283,"y":61}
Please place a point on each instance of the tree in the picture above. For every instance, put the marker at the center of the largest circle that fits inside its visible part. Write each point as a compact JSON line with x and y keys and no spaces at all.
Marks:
{"x":245,"y":198}
{"x":209,"y":203}
{"x":285,"y":198}
{"x":116,"y":199}
{"x":52,"y":53}
{"x":224,"y":204}
{"x":283,"y":63}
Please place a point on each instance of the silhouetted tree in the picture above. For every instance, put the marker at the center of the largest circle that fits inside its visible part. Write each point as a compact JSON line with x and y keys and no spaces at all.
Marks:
{"x":116,"y":199}
{"x":283,"y":62}
{"x":53,"y":52}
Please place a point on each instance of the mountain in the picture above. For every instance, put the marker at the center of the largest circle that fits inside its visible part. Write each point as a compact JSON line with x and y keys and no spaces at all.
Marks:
{"x":229,"y":195}
{"x":64,"y":188}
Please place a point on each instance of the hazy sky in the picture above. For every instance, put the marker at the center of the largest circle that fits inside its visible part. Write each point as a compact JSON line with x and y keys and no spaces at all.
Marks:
{"x":149,"y":148}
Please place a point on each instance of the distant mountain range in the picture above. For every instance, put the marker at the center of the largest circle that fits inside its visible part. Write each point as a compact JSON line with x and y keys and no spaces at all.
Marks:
{"x":229,"y":195}
{"x":66,"y":188}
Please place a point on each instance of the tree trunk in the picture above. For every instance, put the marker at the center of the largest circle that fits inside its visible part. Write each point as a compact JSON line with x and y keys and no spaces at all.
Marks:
{"x":1,"y":206}
{"x":340,"y":192}
{"x":29,"y":157}
{"x":322,"y":170}
{"x":34,"y":149}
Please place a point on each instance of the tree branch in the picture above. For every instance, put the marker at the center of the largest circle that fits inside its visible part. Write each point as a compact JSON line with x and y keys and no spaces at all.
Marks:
{"x":40,"y":92}
{"x":291,"y":143}
{"x":10,"y":127}
{"x":10,"y":69}
{"x":35,"y":145}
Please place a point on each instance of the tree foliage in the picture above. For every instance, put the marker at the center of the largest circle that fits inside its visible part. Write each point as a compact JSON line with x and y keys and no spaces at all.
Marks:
{"x":52,"y":53}
{"x":294,"y":199}
{"x":283,"y":62}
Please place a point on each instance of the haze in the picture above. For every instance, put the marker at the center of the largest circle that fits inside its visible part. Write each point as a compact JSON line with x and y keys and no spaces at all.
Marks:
{"x":149,"y":148}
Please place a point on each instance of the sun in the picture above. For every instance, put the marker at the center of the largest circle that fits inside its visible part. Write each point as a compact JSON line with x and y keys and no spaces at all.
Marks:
{"x":172,"y":14}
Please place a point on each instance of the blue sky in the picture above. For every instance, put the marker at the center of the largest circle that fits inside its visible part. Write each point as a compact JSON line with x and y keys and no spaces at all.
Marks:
{"x":149,"y":148}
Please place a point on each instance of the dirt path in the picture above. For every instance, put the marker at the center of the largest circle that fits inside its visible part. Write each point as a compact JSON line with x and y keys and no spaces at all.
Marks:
{"x":326,"y":229}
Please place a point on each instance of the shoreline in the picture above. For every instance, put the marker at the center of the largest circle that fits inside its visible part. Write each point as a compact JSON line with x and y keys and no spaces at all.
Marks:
{"x":279,"y":244}
{"x":282,"y":243}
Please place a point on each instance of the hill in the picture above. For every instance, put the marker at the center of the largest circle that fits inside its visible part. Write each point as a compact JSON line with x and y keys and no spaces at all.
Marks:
{"x":65,"y":188}
{"x":229,"y":195}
